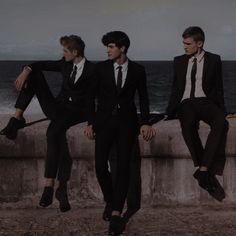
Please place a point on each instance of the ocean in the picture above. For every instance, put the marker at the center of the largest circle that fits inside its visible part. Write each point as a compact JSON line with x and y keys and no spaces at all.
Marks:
{"x":159,"y":80}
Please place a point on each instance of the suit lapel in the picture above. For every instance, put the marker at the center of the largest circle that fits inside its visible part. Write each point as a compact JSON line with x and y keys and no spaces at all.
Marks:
{"x":184,"y":67}
{"x":68,"y":71}
{"x":83,"y":75}
{"x":111,"y":75}
{"x":205,"y":68}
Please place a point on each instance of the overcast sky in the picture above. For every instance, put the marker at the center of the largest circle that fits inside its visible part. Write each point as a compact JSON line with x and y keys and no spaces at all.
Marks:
{"x":30,"y":29}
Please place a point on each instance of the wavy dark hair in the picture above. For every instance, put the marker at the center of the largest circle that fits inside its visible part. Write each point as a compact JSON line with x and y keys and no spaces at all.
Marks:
{"x":119,"y":38}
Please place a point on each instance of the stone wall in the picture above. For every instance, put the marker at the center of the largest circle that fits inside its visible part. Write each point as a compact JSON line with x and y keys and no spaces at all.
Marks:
{"x":166,"y":165}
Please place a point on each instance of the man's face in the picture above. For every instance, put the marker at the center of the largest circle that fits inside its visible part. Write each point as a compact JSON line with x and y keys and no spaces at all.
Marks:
{"x":69,"y":55}
{"x":114,"y":52}
{"x":192,"y":47}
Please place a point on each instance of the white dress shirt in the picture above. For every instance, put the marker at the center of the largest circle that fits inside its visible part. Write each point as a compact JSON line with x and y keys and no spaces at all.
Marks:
{"x":80,"y":67}
{"x":198,"y":86}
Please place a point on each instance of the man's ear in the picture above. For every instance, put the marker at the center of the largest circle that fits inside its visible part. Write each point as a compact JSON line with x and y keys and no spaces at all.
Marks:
{"x":75,"y":52}
{"x":122,"y":49}
{"x":200,"y":44}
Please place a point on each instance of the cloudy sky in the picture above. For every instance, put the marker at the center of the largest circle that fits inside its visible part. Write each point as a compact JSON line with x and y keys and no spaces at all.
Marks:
{"x":30,"y":29}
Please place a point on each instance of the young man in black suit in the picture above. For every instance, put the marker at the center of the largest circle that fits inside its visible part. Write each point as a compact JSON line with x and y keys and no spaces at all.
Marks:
{"x":67,"y":109}
{"x":197,"y":94}
{"x":115,"y":121}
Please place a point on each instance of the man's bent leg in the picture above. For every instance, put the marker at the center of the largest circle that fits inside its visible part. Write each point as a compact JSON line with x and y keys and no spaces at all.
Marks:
{"x":190,"y":125}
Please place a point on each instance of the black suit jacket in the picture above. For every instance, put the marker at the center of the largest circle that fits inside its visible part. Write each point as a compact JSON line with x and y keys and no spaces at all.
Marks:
{"x":212,"y":83}
{"x":104,"y":90}
{"x":78,"y":92}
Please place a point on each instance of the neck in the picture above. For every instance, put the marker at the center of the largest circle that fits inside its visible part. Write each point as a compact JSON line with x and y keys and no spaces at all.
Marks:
{"x":121,"y":60}
{"x":78,"y":60}
{"x":198,"y":52}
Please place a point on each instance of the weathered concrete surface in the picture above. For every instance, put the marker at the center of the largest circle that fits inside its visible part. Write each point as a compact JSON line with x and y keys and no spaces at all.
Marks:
{"x":161,"y":221}
{"x":166,"y":167}
{"x":168,"y":143}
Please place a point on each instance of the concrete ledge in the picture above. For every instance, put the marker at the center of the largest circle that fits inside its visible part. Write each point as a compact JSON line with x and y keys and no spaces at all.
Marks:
{"x":168,"y":143}
{"x":166,"y":165}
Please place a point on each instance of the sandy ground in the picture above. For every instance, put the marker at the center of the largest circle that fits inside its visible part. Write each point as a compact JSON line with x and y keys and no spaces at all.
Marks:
{"x":160,"y":221}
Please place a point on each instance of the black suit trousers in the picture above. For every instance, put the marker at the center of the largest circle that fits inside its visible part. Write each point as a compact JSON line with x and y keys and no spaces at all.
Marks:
{"x":133,"y":199}
{"x":58,"y":160}
{"x":190,"y":113}
{"x":119,"y":133}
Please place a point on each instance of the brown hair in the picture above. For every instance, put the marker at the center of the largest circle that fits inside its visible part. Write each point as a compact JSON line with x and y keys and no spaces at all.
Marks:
{"x":194,"y":32}
{"x":73,"y":42}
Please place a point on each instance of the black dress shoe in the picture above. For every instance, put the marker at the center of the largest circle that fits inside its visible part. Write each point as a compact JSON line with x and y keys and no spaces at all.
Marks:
{"x":47,"y":197}
{"x":203,"y":178}
{"x":61,"y":196}
{"x":116,"y":226}
{"x":217,"y":190}
{"x":12,"y":128}
{"x":209,"y":182}
{"x":128,"y":214}
{"x":107,"y":212}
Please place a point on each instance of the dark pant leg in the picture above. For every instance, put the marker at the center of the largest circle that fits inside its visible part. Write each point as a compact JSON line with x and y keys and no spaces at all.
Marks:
{"x":103,"y":143}
{"x":37,"y":85}
{"x":134,"y":190}
{"x":125,"y":142}
{"x":113,"y":161}
{"x":65,"y":160}
{"x":218,"y":164}
{"x":215,"y":117}
{"x":189,"y":120}
{"x":56,"y":140}
{"x":58,"y":158}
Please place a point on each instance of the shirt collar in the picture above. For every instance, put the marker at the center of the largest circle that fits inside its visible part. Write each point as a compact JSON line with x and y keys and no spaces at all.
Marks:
{"x":199,"y":56}
{"x":80,"y":64}
{"x":124,"y":65}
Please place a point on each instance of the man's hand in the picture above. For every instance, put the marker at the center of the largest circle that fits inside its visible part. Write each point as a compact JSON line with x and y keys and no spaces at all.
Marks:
{"x":21,"y":79}
{"x":89,"y":132}
{"x":147,"y":132}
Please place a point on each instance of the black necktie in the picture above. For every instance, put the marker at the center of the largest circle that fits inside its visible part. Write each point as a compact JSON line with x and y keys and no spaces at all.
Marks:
{"x":119,"y":79}
{"x":193,"y":77}
{"x":73,"y":75}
